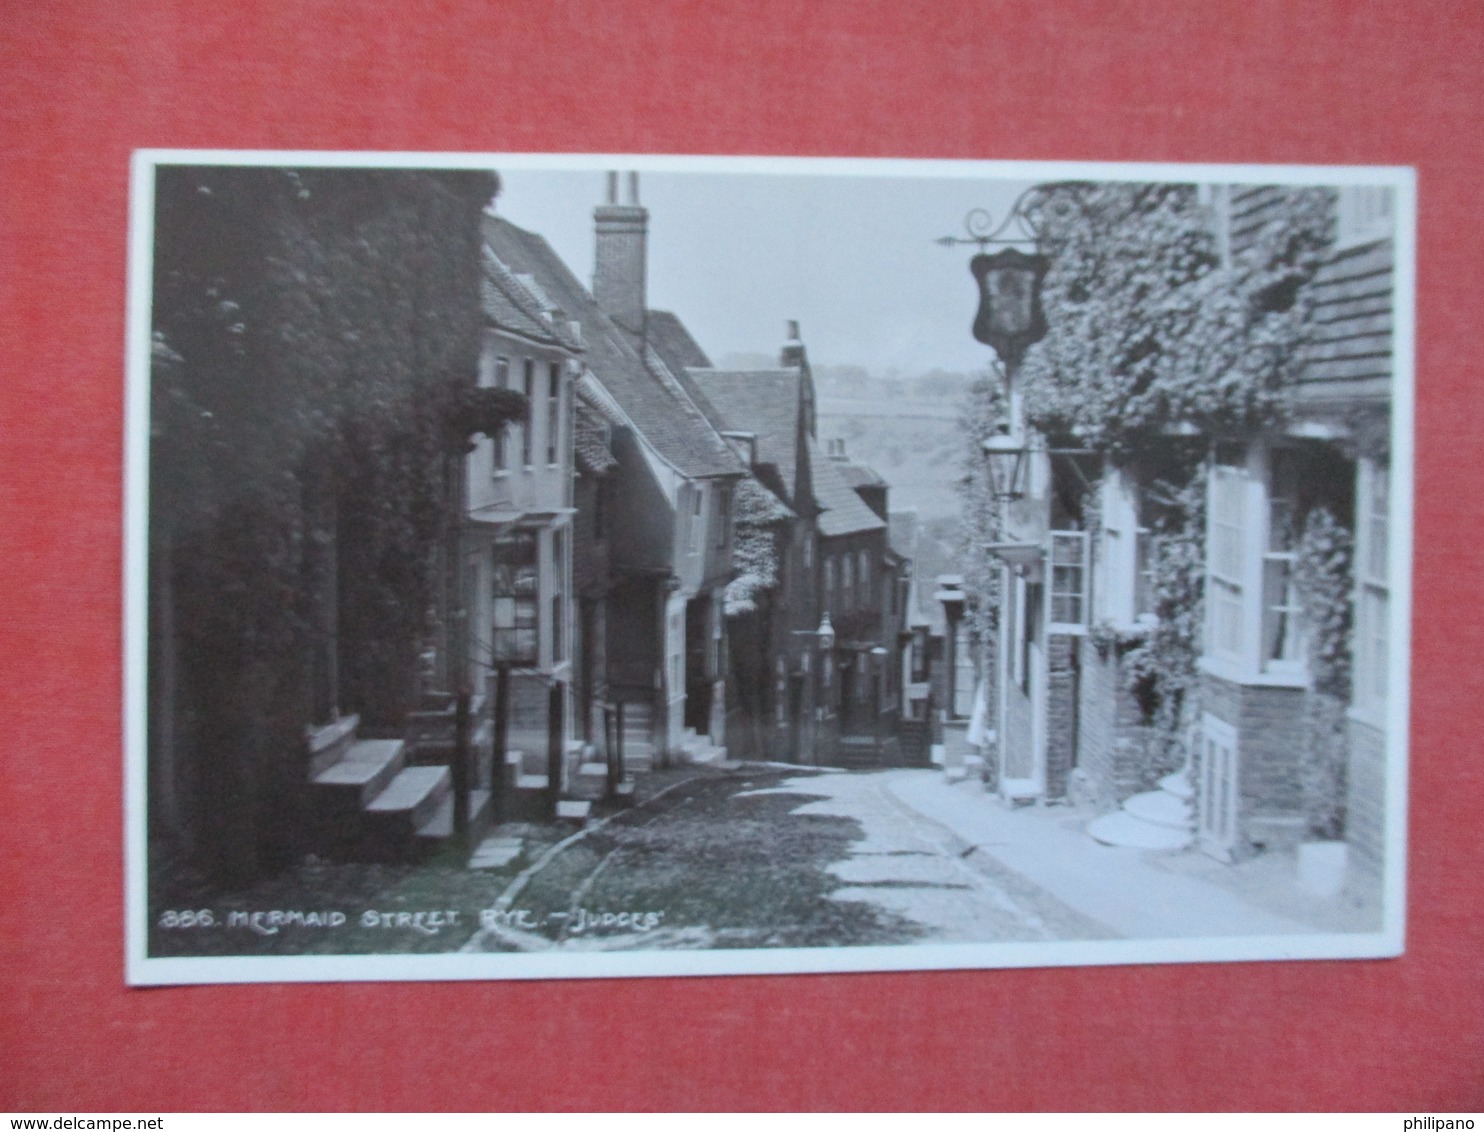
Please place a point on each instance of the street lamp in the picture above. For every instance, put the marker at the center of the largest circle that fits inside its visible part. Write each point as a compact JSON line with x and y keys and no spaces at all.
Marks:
{"x":1007,"y":465}
{"x":825,"y":634}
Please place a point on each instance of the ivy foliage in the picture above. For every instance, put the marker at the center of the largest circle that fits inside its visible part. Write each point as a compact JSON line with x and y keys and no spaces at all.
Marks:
{"x":1161,"y":664}
{"x":980,"y":416}
{"x":1325,"y":578}
{"x":757,"y":513}
{"x":1148,"y":329}
{"x":313,"y":331}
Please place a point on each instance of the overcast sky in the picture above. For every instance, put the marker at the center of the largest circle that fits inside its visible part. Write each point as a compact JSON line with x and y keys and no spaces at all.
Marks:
{"x":737,"y":255}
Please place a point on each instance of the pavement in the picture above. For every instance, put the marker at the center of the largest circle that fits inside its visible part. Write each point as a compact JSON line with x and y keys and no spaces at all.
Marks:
{"x":1134,"y":893}
{"x":915,"y":868}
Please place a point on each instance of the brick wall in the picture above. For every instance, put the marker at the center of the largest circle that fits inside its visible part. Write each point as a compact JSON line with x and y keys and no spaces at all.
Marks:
{"x":1270,"y":738}
{"x":1061,"y":711}
{"x":1114,"y":748}
{"x":1365,"y":824}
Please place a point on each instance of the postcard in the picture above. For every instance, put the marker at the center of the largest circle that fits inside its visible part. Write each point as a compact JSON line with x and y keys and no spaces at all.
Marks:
{"x":547,"y":566}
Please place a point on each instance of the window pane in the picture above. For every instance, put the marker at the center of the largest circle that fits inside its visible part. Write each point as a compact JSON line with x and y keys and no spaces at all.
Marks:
{"x":514,"y":584}
{"x":1282,"y":620}
{"x":553,"y":410}
{"x":528,"y":387}
{"x":1226,"y":618}
{"x":1143,"y":574}
{"x":1377,"y":532}
{"x":1227,"y":518}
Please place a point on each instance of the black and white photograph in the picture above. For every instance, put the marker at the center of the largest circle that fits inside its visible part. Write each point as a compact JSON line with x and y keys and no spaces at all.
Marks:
{"x":557,"y":566}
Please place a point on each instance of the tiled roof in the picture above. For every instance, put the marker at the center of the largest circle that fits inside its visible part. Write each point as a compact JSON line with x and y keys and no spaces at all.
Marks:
{"x":590,"y":439}
{"x":843,"y":512}
{"x":764,"y":402}
{"x":672,"y":345}
{"x":902,"y":532}
{"x":672,"y":341}
{"x":676,"y":428}
{"x":1348,"y":356}
{"x":858,"y":475}
{"x":510,"y":305}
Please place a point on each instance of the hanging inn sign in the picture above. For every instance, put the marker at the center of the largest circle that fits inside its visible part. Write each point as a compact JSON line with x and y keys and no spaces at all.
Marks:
{"x":1010,"y":318}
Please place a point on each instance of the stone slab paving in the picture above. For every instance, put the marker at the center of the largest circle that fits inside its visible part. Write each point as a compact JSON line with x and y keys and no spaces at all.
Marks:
{"x":1123,"y":888}
{"x":495,"y":852}
{"x":915,"y":868}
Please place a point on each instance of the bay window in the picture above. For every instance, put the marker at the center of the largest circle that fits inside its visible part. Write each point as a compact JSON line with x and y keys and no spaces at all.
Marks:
{"x":515,"y":597}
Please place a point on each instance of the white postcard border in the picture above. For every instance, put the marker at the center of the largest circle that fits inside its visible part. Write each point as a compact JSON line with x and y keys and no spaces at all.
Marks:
{"x":144,"y":970}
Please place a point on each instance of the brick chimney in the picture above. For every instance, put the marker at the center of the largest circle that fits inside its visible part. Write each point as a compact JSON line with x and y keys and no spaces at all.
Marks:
{"x":619,"y":266}
{"x":794,"y":356}
{"x":792,"y":353}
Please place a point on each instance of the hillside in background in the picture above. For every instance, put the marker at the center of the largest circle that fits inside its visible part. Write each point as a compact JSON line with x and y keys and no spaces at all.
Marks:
{"x":905,"y":427}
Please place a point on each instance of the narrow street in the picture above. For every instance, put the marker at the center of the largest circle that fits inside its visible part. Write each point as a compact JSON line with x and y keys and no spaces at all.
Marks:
{"x":774,"y":857}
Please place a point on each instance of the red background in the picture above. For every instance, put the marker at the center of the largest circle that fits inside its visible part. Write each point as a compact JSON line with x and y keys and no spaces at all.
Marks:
{"x":83,"y":84}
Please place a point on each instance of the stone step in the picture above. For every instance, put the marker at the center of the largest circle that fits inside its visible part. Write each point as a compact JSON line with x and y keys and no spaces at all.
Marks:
{"x":1122,"y":829}
{"x":1158,"y":807}
{"x":440,"y":825}
{"x":590,"y":781}
{"x":364,"y":770}
{"x":638,"y":762}
{"x":1178,"y":784}
{"x":328,"y":744}
{"x":573,"y":809}
{"x":411,"y":798}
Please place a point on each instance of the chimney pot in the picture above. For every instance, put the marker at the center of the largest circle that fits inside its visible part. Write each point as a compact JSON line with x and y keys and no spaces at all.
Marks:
{"x":612,"y":188}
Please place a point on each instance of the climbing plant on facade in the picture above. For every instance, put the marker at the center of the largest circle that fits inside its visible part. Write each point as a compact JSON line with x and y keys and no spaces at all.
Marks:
{"x":1148,"y":327}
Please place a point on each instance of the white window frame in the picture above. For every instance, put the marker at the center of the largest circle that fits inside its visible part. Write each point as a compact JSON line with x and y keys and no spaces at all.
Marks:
{"x":1370,"y":686}
{"x":1227,"y":526}
{"x":1277,"y":560}
{"x":1079,"y":594}
{"x":695,"y":518}
{"x":1112,"y":560}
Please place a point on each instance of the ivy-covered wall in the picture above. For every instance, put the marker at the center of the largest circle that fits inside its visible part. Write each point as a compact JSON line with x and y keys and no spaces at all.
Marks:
{"x":1163,"y":336}
{"x":313,"y":331}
